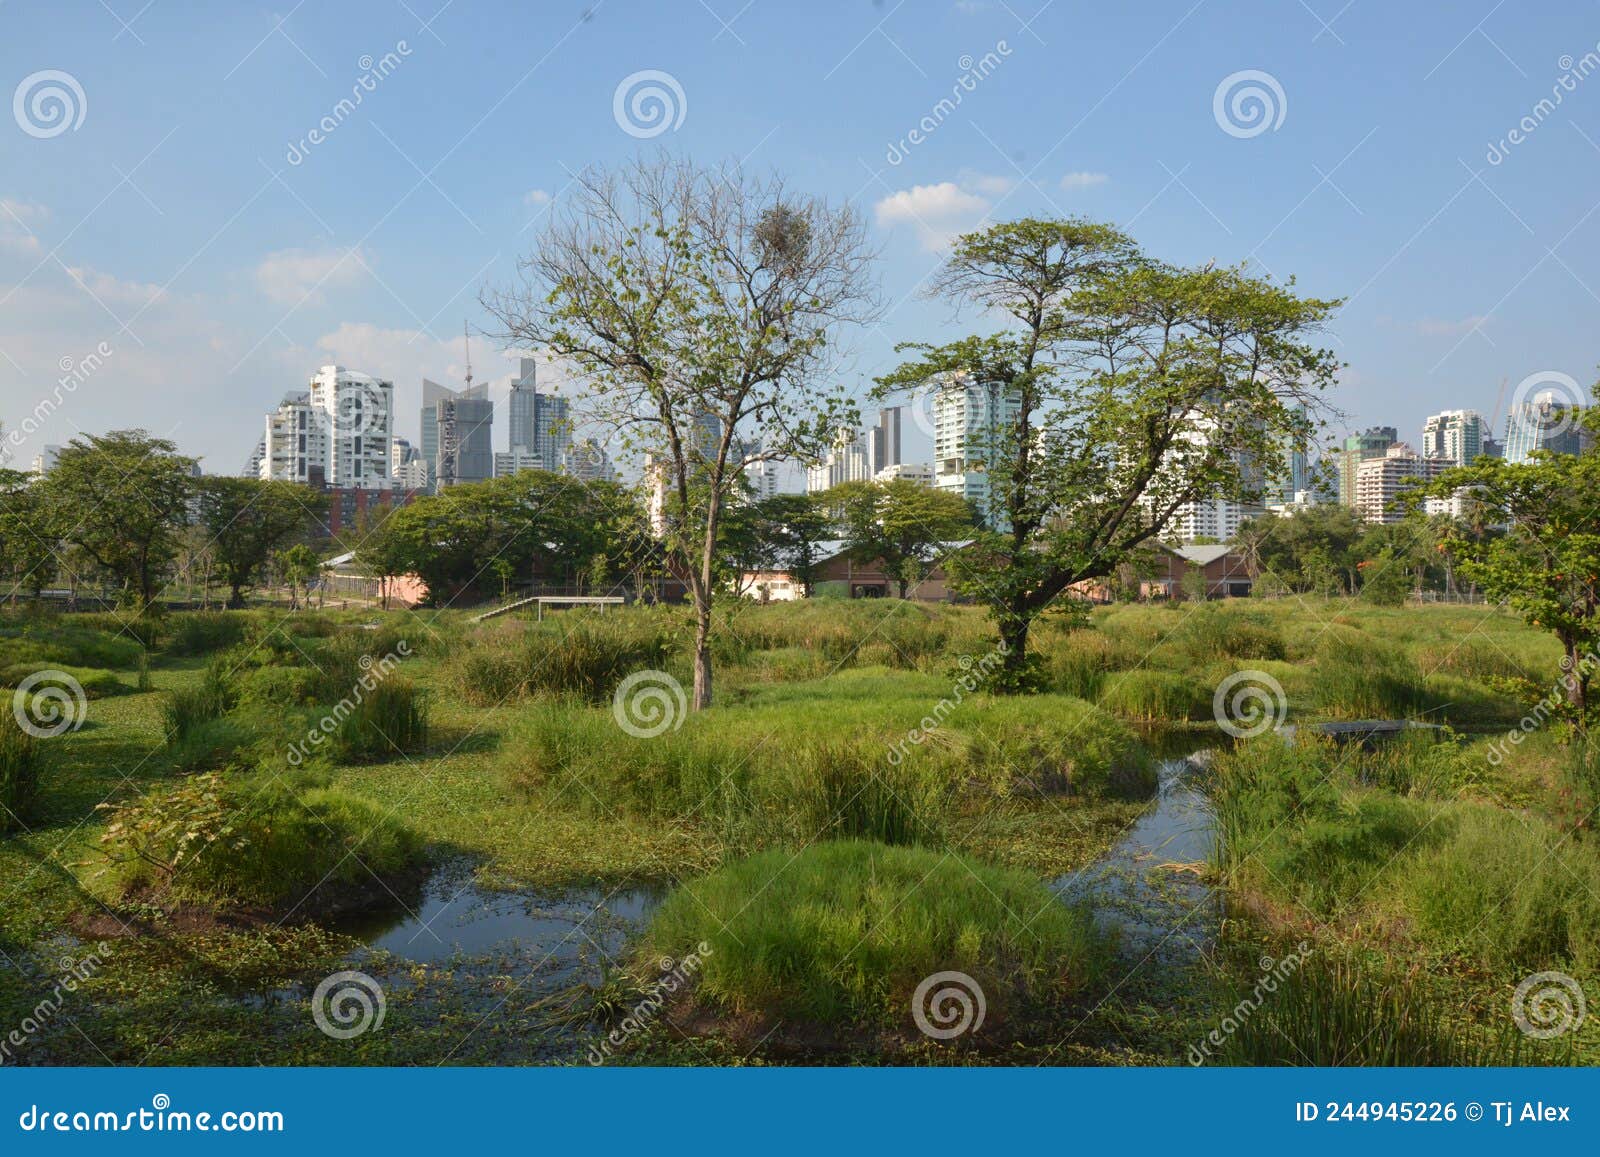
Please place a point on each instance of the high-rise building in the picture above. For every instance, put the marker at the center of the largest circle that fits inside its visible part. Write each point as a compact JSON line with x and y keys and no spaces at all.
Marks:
{"x":336,"y":434}
{"x":407,"y":467}
{"x":588,"y":461}
{"x":883,"y":440}
{"x":848,"y":460}
{"x":1454,"y":436}
{"x":1380,"y":481}
{"x":762,"y":478}
{"x":1372,"y":442}
{"x":552,"y":430}
{"x":1545,"y":422}
{"x":520,"y":407}
{"x":457,"y":433}
{"x":971,"y":419}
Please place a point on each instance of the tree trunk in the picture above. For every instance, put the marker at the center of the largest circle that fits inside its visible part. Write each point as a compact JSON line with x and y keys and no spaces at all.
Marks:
{"x":1578,"y":672}
{"x":702,"y":652}
{"x":1014,"y":640}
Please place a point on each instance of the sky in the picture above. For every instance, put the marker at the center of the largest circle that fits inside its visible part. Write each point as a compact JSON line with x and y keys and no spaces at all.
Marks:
{"x":179,"y":250}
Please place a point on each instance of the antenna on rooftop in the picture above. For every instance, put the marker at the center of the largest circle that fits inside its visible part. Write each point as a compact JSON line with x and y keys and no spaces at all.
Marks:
{"x":466,"y":340}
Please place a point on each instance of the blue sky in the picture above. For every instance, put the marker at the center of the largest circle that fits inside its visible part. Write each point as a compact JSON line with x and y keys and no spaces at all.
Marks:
{"x":170,"y":224}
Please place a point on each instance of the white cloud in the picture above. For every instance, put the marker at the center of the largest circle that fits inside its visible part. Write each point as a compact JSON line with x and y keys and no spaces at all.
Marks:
{"x":938,"y":212}
{"x":536,"y":197}
{"x":293,"y":276}
{"x":985,"y":184}
{"x":18,"y":222}
{"x":1083,"y":180}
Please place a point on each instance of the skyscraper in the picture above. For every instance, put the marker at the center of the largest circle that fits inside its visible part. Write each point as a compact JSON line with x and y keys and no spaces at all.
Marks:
{"x":334,"y":434}
{"x":971,"y":419}
{"x":1381,"y":480}
{"x":1454,"y":436}
{"x":1545,"y":422}
{"x":847,"y":460}
{"x":457,"y":430}
{"x":883,"y":440}
{"x":520,"y":407}
{"x":1370,"y":443}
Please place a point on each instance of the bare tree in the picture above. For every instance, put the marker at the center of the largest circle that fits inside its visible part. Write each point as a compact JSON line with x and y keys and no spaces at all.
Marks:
{"x":700,"y":308}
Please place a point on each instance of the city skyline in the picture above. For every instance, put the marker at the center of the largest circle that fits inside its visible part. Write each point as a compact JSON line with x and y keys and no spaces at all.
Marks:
{"x":218,"y":264}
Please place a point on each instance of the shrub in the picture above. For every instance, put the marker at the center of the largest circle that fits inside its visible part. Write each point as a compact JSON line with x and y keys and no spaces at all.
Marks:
{"x":96,"y":683}
{"x":187,"y":708}
{"x":209,"y":744}
{"x":277,"y":687}
{"x":848,"y":793}
{"x":843,"y":932}
{"x":19,"y":773}
{"x":1368,"y":682}
{"x":221,"y":844}
{"x":385,"y":720}
{"x":1508,"y":893}
{"x":202,"y":632}
{"x":587,"y":660}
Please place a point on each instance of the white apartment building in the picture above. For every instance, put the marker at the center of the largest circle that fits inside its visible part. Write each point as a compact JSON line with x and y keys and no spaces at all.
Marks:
{"x":847,"y":461}
{"x":338,"y":432}
{"x":919,"y":472}
{"x":1456,"y":436}
{"x":1381,"y":481}
{"x":969,"y":419}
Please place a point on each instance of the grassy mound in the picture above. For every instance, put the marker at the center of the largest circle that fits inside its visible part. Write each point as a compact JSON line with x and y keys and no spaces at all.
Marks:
{"x":843,"y":933}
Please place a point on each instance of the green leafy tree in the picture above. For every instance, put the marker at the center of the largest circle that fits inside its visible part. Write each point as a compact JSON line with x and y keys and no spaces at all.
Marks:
{"x":247,"y":520}
{"x":901,"y":523}
{"x":700,"y":308}
{"x":27,"y":537}
{"x":1137,"y":387}
{"x":796,"y":526}
{"x":1547,"y":563}
{"x":298,"y":565}
{"x":122,"y":499}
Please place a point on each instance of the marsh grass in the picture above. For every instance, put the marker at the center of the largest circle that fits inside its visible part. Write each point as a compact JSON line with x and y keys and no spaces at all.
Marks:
{"x":1332,"y":1012}
{"x":390,"y":719}
{"x":841,"y":934}
{"x":20,"y":763}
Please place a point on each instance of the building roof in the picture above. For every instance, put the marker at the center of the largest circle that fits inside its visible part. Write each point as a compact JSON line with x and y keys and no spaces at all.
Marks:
{"x":1203,"y":554}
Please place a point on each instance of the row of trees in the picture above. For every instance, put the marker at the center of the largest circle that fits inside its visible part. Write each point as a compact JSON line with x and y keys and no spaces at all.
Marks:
{"x":706,"y":313}
{"x":126,"y":509}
